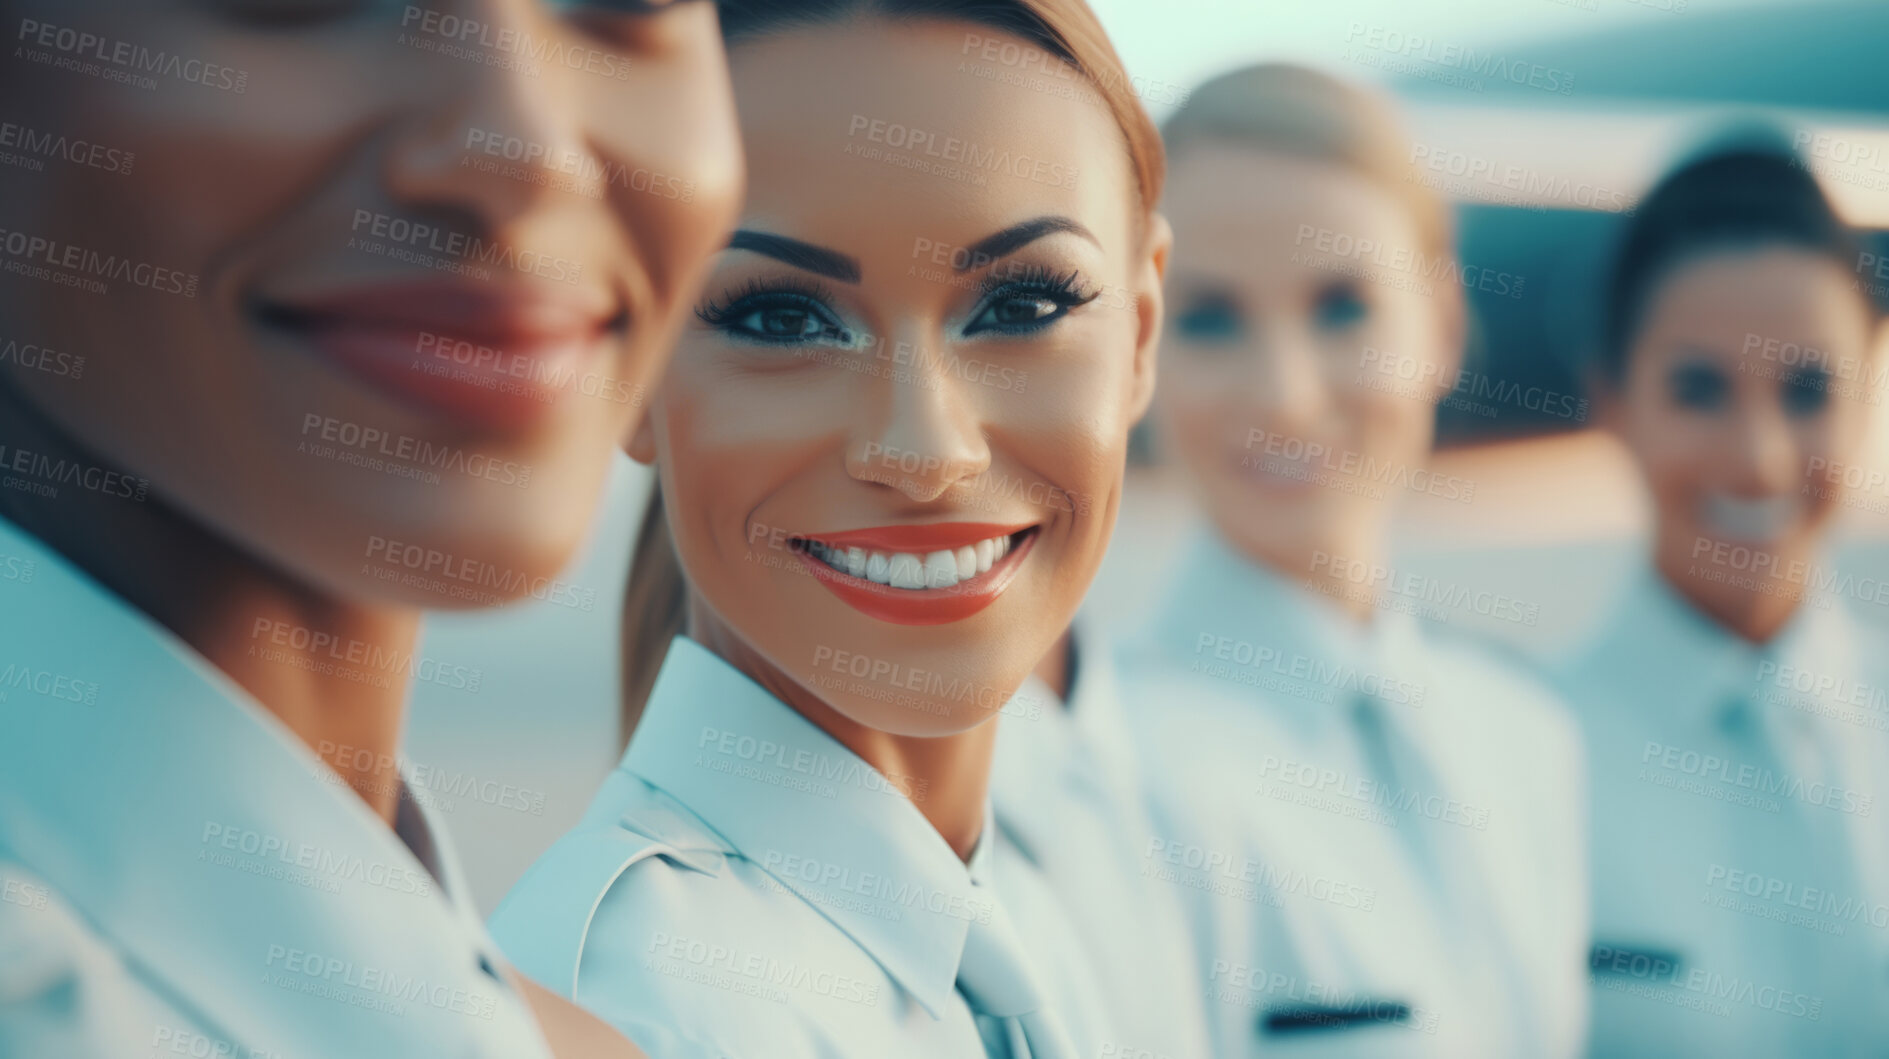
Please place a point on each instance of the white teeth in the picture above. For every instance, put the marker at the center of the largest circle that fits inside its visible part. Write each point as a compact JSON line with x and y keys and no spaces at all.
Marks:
{"x":966,"y":562}
{"x":906,"y":571}
{"x":939,"y":569}
{"x":1750,"y":521}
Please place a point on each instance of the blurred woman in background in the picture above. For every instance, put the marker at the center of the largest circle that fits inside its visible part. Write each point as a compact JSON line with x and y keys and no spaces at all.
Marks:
{"x":935,"y":323}
{"x":231,"y":309}
{"x":1734,"y":710}
{"x":1408,"y":801}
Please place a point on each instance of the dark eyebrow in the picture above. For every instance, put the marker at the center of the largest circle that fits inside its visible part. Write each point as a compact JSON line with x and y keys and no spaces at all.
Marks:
{"x":817,"y":259}
{"x":1015,"y":237}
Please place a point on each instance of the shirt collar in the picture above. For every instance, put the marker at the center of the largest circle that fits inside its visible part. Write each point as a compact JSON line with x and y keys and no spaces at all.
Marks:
{"x":205,"y":840}
{"x":836,"y":832}
{"x":1681,"y":658}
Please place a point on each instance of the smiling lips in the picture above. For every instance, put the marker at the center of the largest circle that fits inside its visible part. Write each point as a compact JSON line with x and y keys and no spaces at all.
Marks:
{"x":496,"y":358}
{"x":918,"y":575}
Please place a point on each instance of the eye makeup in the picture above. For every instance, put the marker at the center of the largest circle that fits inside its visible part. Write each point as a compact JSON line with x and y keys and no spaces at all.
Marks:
{"x":1028,"y":301}
{"x":780,"y":311}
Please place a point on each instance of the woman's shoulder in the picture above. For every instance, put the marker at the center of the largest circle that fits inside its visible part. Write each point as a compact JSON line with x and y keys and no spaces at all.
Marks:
{"x":662,"y":928}
{"x":634,"y":841}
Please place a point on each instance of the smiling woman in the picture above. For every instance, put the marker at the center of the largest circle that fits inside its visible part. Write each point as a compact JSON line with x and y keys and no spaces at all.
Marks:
{"x":320,"y":359}
{"x":1740,"y":367}
{"x":934,"y":326}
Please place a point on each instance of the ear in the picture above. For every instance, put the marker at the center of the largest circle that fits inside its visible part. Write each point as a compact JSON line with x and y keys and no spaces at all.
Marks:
{"x":641,"y":445}
{"x":1150,"y":309}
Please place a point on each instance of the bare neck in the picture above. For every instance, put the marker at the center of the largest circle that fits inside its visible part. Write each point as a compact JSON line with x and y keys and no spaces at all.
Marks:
{"x":245,"y":617}
{"x":1749,"y":613}
{"x":1058,"y":666}
{"x":1332,"y":574}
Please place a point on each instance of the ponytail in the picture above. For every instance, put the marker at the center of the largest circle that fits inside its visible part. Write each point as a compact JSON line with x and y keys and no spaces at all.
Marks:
{"x":653,"y":610}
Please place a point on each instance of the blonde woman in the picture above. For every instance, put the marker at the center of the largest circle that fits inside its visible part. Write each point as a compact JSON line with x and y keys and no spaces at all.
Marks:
{"x":1379,"y":821}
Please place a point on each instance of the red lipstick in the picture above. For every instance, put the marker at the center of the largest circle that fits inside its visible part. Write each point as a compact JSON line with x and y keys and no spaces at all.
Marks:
{"x":497,"y":358}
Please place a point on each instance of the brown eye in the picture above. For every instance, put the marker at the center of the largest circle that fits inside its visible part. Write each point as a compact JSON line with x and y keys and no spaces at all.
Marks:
{"x":1208,"y":319}
{"x":1700,"y":387}
{"x":1339,"y":306}
{"x":1804,"y":393}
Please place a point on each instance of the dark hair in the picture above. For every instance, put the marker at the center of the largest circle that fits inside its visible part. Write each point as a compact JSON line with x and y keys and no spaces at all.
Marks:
{"x":1738,"y":196}
{"x":654,"y":608}
{"x":1065,"y":30}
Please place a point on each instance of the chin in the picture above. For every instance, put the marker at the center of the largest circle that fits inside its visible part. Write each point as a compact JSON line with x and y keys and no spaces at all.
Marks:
{"x":428,"y":566}
{"x":928,"y":681}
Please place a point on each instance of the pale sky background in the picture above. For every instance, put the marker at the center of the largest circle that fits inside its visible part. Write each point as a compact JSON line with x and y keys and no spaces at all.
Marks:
{"x":1176,"y":44}
{"x":1185,"y":41}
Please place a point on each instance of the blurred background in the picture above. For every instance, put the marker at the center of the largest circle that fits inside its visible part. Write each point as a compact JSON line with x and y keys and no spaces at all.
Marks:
{"x":1540,"y":173}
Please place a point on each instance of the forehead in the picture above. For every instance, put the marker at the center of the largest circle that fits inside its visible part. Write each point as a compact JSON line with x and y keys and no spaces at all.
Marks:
{"x":1724,"y":301}
{"x":1234,"y":208}
{"x":883,"y":132}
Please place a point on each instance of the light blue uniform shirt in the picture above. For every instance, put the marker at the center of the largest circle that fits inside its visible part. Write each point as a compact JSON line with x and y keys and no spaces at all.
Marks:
{"x":1741,"y":868}
{"x":180,"y":875}
{"x":1380,"y":830}
{"x":1069,"y":793}
{"x":746,"y":886}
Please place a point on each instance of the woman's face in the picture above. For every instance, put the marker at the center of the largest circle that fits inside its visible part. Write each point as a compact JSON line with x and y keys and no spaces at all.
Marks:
{"x":370,"y":290}
{"x":892,"y":443}
{"x":1747,"y":390}
{"x":1297,"y":389}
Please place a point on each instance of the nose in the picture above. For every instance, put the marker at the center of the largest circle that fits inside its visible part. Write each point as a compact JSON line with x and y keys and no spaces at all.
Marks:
{"x":490,"y":143}
{"x":920,"y":433}
{"x":1763,"y":455}
{"x":1285,"y":382}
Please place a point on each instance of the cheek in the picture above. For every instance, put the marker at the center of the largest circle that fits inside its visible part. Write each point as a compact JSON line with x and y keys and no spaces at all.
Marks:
{"x":1071,"y":419}
{"x":1822,"y":445}
{"x":730,"y":442}
{"x":221,"y":163}
{"x":1678,"y":452}
{"x":1386,"y":425}
{"x":679,"y":184}
{"x":704,"y":485}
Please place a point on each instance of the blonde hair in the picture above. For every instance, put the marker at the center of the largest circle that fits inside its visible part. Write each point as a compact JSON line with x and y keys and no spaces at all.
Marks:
{"x":1300,"y":111}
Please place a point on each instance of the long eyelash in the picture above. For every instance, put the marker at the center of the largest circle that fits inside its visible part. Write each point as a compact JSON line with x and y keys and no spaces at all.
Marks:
{"x":717,"y":312}
{"x":1067,"y":287}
